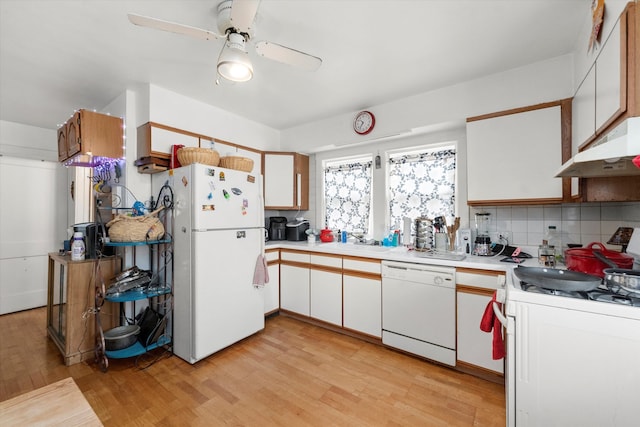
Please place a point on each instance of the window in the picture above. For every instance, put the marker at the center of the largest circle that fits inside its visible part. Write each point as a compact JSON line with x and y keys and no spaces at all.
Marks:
{"x":422,"y":184}
{"x":347,"y":194}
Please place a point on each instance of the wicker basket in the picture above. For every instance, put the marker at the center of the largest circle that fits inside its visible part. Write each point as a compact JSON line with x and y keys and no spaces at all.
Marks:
{"x":237,"y":163}
{"x":124,"y":228}
{"x":206,"y":156}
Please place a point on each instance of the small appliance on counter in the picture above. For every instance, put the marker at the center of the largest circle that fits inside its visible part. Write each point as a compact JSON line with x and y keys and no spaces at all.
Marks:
{"x":483,"y":241}
{"x":296,"y":230}
{"x":92,"y":234}
{"x":277,"y":228}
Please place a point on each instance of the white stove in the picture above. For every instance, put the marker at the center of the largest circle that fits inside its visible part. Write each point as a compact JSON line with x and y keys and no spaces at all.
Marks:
{"x":572,"y":359}
{"x":599,"y":301}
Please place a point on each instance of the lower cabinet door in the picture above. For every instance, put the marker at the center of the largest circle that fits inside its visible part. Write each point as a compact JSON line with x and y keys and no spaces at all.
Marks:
{"x":294,"y":289}
{"x":272,"y":289}
{"x":326,"y":296}
{"x":363,"y":305}
{"x":474,"y":345}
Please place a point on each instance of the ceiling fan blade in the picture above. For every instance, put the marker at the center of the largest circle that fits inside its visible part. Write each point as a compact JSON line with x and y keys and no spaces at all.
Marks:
{"x":243,"y":12}
{"x":173,"y":27}
{"x":289,"y":56}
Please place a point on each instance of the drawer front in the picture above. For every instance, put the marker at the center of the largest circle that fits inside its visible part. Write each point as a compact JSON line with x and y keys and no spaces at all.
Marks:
{"x":362,"y":265}
{"x":326,"y":261}
{"x":273,"y":255}
{"x":480,"y":279}
{"x":294,"y":256}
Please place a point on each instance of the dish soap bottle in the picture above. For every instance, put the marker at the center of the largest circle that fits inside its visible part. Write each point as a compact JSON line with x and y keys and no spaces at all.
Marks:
{"x":77,"y":247}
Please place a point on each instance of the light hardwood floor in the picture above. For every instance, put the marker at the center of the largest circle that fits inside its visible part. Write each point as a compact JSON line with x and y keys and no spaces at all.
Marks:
{"x":290,"y":374}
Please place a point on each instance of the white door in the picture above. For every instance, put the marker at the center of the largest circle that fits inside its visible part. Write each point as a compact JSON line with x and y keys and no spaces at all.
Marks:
{"x":32,"y":224}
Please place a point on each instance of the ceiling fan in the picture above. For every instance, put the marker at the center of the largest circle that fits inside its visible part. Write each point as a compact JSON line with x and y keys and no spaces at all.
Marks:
{"x":236,"y":28}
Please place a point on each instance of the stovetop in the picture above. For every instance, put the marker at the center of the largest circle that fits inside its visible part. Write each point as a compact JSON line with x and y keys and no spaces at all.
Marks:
{"x":601,"y":294}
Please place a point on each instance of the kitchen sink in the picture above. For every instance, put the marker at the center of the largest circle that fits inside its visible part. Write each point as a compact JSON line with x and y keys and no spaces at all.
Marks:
{"x":372,"y":248}
{"x":441,"y":255}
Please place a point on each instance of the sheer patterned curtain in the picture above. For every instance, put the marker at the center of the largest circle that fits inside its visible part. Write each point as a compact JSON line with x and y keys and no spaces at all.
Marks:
{"x":347,"y":192}
{"x":422,"y":185}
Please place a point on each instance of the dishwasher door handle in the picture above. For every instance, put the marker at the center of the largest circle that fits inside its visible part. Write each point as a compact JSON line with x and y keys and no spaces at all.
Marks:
{"x":498,"y":312}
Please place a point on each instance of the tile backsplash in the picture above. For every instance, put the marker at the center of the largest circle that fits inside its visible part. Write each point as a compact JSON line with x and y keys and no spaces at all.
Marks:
{"x":575,"y":223}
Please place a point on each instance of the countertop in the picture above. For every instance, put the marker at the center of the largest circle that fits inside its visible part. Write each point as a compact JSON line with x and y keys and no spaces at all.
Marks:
{"x":401,"y":254}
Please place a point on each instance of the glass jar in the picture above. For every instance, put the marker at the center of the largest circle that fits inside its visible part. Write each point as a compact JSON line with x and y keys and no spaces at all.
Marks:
{"x":547,"y":255}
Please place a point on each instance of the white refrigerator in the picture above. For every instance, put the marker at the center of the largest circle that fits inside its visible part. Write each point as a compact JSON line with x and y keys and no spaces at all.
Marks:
{"x":218,"y":233}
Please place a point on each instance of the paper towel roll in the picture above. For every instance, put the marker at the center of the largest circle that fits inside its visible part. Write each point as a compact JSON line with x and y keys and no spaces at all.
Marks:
{"x":406,"y":231}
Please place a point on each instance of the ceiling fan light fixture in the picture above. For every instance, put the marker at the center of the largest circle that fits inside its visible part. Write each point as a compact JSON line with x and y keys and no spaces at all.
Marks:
{"x":234,"y":63}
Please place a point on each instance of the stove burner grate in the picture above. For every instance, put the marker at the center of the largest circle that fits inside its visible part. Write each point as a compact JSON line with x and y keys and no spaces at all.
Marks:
{"x":529,"y":287}
{"x":601,"y":294}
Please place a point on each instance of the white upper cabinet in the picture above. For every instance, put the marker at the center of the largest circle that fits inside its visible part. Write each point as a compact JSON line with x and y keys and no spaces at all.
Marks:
{"x":583,"y":111}
{"x":512,"y":156}
{"x":610,"y":96}
{"x":155,"y":140}
{"x":286,"y":181}
{"x":609,"y":90}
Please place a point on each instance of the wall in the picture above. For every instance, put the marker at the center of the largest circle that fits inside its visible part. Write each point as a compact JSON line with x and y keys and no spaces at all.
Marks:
{"x":380,"y":207}
{"x":28,"y":142}
{"x":172,"y":109}
{"x":430,"y":118}
{"x":576,"y":223}
{"x":539,"y":82}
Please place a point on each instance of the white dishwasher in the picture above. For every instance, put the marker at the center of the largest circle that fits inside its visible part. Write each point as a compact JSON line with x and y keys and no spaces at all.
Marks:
{"x":419,"y":310}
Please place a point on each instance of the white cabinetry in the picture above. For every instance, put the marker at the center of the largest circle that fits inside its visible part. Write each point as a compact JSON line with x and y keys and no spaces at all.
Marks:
{"x":610,"y":101}
{"x":229,"y":149}
{"x":286,"y":181}
{"x":155,"y":140}
{"x":601,"y":96}
{"x":343,"y":291}
{"x":583,"y":111}
{"x":294,"y":282}
{"x":326,"y":288}
{"x":272,"y":289}
{"x":558,"y":367}
{"x":512,"y":156}
{"x":362,"y":298}
{"x":474,"y":291}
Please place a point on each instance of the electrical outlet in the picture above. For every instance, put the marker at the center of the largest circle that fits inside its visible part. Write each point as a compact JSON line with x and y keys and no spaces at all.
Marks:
{"x":501,"y":236}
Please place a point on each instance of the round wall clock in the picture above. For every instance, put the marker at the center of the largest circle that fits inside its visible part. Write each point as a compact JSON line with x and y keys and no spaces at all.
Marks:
{"x":364,"y":122}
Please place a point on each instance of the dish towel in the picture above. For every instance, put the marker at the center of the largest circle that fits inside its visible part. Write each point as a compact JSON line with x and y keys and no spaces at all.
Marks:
{"x":260,"y":273}
{"x":491,"y":322}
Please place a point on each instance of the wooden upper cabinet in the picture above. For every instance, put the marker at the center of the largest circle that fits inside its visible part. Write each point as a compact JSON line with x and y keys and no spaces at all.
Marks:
{"x":286,"y":181}
{"x":91,"y":133}
{"x":73,"y":134}
{"x":513,"y":156}
{"x":62,"y":143}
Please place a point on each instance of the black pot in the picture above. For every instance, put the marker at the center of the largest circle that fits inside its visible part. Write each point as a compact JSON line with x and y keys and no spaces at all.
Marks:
{"x":121,"y":337}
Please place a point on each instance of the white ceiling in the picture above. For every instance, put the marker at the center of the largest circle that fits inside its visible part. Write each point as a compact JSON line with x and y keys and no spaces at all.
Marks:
{"x":58,"y":56}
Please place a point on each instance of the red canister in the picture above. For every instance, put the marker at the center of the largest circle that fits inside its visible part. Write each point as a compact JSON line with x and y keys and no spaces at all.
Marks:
{"x":326,"y":235}
{"x":588,"y":260}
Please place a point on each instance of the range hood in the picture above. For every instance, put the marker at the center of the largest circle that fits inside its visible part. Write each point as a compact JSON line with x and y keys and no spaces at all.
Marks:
{"x":611,"y":155}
